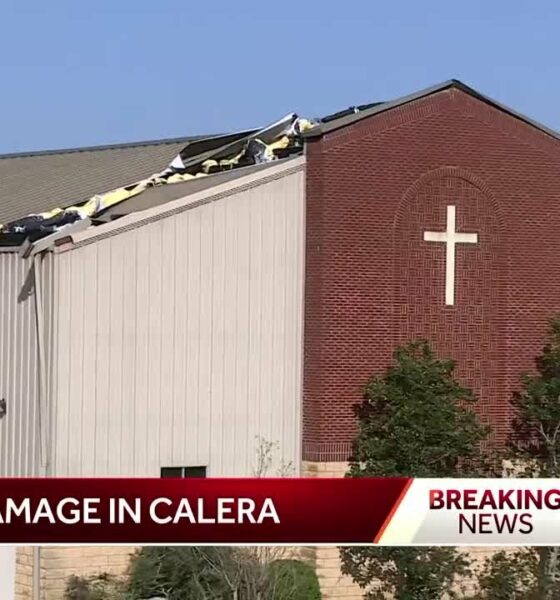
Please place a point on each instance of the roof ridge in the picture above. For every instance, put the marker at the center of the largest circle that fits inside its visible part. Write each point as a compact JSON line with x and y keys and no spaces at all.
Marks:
{"x":117,"y":146}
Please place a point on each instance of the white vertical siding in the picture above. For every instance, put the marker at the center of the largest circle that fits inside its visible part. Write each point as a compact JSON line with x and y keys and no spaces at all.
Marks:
{"x":19,"y":368}
{"x":7,"y":572}
{"x":179,"y":341}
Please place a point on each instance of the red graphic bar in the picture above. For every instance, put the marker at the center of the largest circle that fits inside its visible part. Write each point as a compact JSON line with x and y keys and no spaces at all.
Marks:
{"x":393,"y":510}
{"x":144,"y":511}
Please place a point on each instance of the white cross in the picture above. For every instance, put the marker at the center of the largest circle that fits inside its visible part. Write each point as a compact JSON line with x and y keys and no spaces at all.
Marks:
{"x":450,"y":237}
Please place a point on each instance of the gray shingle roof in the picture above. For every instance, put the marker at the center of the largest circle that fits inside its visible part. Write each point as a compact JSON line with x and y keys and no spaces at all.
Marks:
{"x":40,"y":181}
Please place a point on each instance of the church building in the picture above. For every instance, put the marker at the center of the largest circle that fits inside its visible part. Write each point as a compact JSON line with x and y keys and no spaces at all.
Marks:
{"x":170,"y":324}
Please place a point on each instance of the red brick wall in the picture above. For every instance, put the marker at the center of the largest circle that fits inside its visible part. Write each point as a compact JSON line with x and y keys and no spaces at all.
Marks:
{"x":372,"y":282}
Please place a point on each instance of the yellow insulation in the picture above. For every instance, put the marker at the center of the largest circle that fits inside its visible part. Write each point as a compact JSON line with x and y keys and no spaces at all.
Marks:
{"x":101,"y":202}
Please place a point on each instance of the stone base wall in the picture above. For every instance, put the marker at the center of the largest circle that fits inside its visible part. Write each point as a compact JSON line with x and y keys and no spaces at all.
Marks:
{"x":59,"y":563}
{"x":24,"y":573}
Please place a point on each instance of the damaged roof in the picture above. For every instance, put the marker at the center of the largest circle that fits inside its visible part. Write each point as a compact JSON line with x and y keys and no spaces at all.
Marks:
{"x":41,"y":193}
{"x":197,"y":159}
{"x":159,"y":195}
{"x":34,"y":182}
{"x":37,"y":182}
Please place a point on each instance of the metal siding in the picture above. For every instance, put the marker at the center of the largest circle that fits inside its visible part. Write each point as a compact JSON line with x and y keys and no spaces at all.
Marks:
{"x":19,"y":381}
{"x":179,"y":341}
{"x":8,"y":572}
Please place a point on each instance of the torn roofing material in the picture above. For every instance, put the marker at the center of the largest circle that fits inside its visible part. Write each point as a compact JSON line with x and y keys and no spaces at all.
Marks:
{"x":40,"y":181}
{"x":67,"y":189}
{"x":199,"y":158}
{"x":252,"y":177}
{"x":156,"y":196}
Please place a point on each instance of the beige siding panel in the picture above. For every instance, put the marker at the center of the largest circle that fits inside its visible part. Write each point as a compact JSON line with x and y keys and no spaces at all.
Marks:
{"x":19,"y":362}
{"x":179,"y":341}
{"x":7,"y":572}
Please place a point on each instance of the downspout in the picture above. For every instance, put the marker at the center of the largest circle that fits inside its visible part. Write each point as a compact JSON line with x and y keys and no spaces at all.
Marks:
{"x":36,"y":573}
{"x":40,"y":323}
{"x":34,"y":251}
{"x":43,"y":413}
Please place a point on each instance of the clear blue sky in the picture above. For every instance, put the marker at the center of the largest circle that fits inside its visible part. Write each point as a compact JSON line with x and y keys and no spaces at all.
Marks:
{"x":79,"y":73}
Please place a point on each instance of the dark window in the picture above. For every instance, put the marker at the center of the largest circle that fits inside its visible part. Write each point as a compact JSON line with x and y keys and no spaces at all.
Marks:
{"x":183,"y":472}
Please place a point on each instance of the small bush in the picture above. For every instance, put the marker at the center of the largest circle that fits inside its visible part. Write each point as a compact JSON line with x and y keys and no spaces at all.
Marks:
{"x":177,"y":573}
{"x":98,"y":587}
{"x":293,"y":580}
{"x":201,"y":573}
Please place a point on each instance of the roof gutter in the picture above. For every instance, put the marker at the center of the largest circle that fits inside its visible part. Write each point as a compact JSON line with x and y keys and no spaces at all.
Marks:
{"x":28,"y":249}
{"x":36,"y":573}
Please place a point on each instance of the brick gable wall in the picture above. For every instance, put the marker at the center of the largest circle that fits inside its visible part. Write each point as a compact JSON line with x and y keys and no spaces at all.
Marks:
{"x":372,"y":282}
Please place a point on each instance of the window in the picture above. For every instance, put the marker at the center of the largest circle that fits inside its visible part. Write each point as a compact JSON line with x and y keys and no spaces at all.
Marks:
{"x":183,"y":472}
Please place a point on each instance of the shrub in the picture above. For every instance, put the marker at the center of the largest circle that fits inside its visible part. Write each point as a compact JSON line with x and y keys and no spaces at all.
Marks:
{"x":97,"y":587}
{"x":177,"y":573}
{"x":293,"y":580}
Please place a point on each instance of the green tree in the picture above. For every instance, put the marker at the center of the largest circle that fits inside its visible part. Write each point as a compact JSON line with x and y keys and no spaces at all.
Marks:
{"x":535,"y":441}
{"x":417,"y":421}
{"x":216,"y":573}
{"x":509,"y":576}
{"x":175,"y":573}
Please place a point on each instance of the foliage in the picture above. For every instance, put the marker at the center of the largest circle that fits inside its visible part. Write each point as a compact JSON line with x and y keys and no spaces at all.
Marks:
{"x":217,"y":573}
{"x":405,"y":573}
{"x":293,"y":580}
{"x":415,"y":421}
{"x":197,"y":573}
{"x":98,"y":587}
{"x":266,"y":458}
{"x":535,"y":441}
{"x":509,"y":576}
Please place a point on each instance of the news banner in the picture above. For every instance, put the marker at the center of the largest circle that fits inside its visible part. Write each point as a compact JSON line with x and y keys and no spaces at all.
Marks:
{"x":288,"y":511}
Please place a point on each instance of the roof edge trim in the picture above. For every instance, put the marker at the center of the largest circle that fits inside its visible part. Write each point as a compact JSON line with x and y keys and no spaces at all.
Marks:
{"x":451,"y":83}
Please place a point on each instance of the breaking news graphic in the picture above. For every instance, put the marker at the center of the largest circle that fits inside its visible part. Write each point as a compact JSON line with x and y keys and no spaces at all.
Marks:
{"x":361,"y":511}
{"x":280,"y":300}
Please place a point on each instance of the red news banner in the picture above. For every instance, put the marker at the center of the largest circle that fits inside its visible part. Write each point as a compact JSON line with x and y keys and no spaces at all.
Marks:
{"x":175,"y":511}
{"x":388,"y":511}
